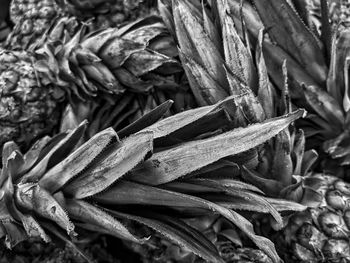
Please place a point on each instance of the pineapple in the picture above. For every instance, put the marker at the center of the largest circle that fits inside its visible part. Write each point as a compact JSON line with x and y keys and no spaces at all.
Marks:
{"x":64,"y":185}
{"x":317,"y":70}
{"x":32,"y":18}
{"x":216,"y":70}
{"x":27,"y":110}
{"x":218,"y":230}
{"x":112,"y":64}
{"x":319,"y":234}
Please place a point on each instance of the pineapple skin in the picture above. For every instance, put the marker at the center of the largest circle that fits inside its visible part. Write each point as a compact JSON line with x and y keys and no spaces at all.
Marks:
{"x":31,"y":18}
{"x":35,"y":89}
{"x":166,"y":252}
{"x":159,"y":250}
{"x":162,"y":251}
{"x":321,"y":233}
{"x":27,"y":109}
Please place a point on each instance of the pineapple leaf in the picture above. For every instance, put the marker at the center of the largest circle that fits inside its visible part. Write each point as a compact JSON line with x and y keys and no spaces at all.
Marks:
{"x":144,"y":30}
{"x":245,"y":18}
{"x":69,"y":120}
{"x":210,"y":90}
{"x":340,"y":52}
{"x":140,"y":27}
{"x":148,"y":195}
{"x":227,"y":185}
{"x":282,"y":166}
{"x":209,"y":57}
{"x":189,"y":188}
{"x":251,"y":107}
{"x":178,"y":232}
{"x":266,"y":94}
{"x":14,"y":162}
{"x":84,"y":212}
{"x":177,"y":122}
{"x":146,"y":120}
{"x":244,"y":200}
{"x":325,"y":105}
{"x":115,"y":51}
{"x":285,"y":205}
{"x":14,"y":233}
{"x":33,"y":228}
{"x":32,"y":155}
{"x":237,"y":55}
{"x":210,"y":28}
{"x":309,"y":159}
{"x":287,"y":29}
{"x":326,"y":30}
{"x":7,"y":149}
{"x":56,"y":154}
{"x":269,"y":186}
{"x":165,"y":10}
{"x":303,"y":9}
{"x":144,"y":61}
{"x":119,"y":160}
{"x":168,"y":165}
{"x":77,"y":161}
{"x":56,"y":232}
{"x":220,"y":169}
{"x":33,"y":198}
{"x":274,"y":58}
{"x":298,"y":151}
{"x":128,"y":79}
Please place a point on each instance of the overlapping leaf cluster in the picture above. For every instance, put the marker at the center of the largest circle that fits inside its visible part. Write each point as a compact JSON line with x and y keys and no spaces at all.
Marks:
{"x":63,"y":183}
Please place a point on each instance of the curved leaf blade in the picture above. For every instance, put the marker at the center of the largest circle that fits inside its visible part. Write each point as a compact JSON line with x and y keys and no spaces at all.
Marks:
{"x":62,"y":148}
{"x":169,"y":165}
{"x":87,"y":213}
{"x":287,"y":29}
{"x":133,"y":193}
{"x":77,"y":161}
{"x":180,"y":233}
{"x":123,"y":157}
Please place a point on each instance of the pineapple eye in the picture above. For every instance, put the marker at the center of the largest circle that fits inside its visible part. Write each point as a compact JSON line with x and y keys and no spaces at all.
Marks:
{"x":333,"y":225}
{"x":342,"y":187}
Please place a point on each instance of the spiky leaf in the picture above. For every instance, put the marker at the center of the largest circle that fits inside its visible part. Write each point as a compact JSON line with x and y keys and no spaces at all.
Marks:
{"x":168,"y":165}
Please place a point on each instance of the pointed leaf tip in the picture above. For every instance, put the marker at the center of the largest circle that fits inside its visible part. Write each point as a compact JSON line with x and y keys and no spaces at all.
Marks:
{"x":120,"y":159}
{"x":168,"y":165}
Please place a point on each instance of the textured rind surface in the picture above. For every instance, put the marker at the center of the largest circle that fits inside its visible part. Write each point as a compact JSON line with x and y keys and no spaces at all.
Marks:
{"x":321,"y":234}
{"x":27,"y":109}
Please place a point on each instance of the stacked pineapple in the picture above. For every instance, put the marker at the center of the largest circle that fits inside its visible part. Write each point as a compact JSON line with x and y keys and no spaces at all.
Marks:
{"x":122,"y":65}
{"x":317,"y":70}
{"x":215,"y":70}
{"x":64,"y":185}
{"x":200,"y":156}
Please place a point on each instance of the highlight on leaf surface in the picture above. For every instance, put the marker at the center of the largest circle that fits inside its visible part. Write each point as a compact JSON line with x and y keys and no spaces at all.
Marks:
{"x":57,"y":189}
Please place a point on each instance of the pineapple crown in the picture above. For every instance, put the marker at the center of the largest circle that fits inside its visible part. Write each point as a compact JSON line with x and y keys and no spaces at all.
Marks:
{"x":296,"y":61}
{"x":111,"y":60}
{"x":284,"y":32}
{"x":66,"y":183}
